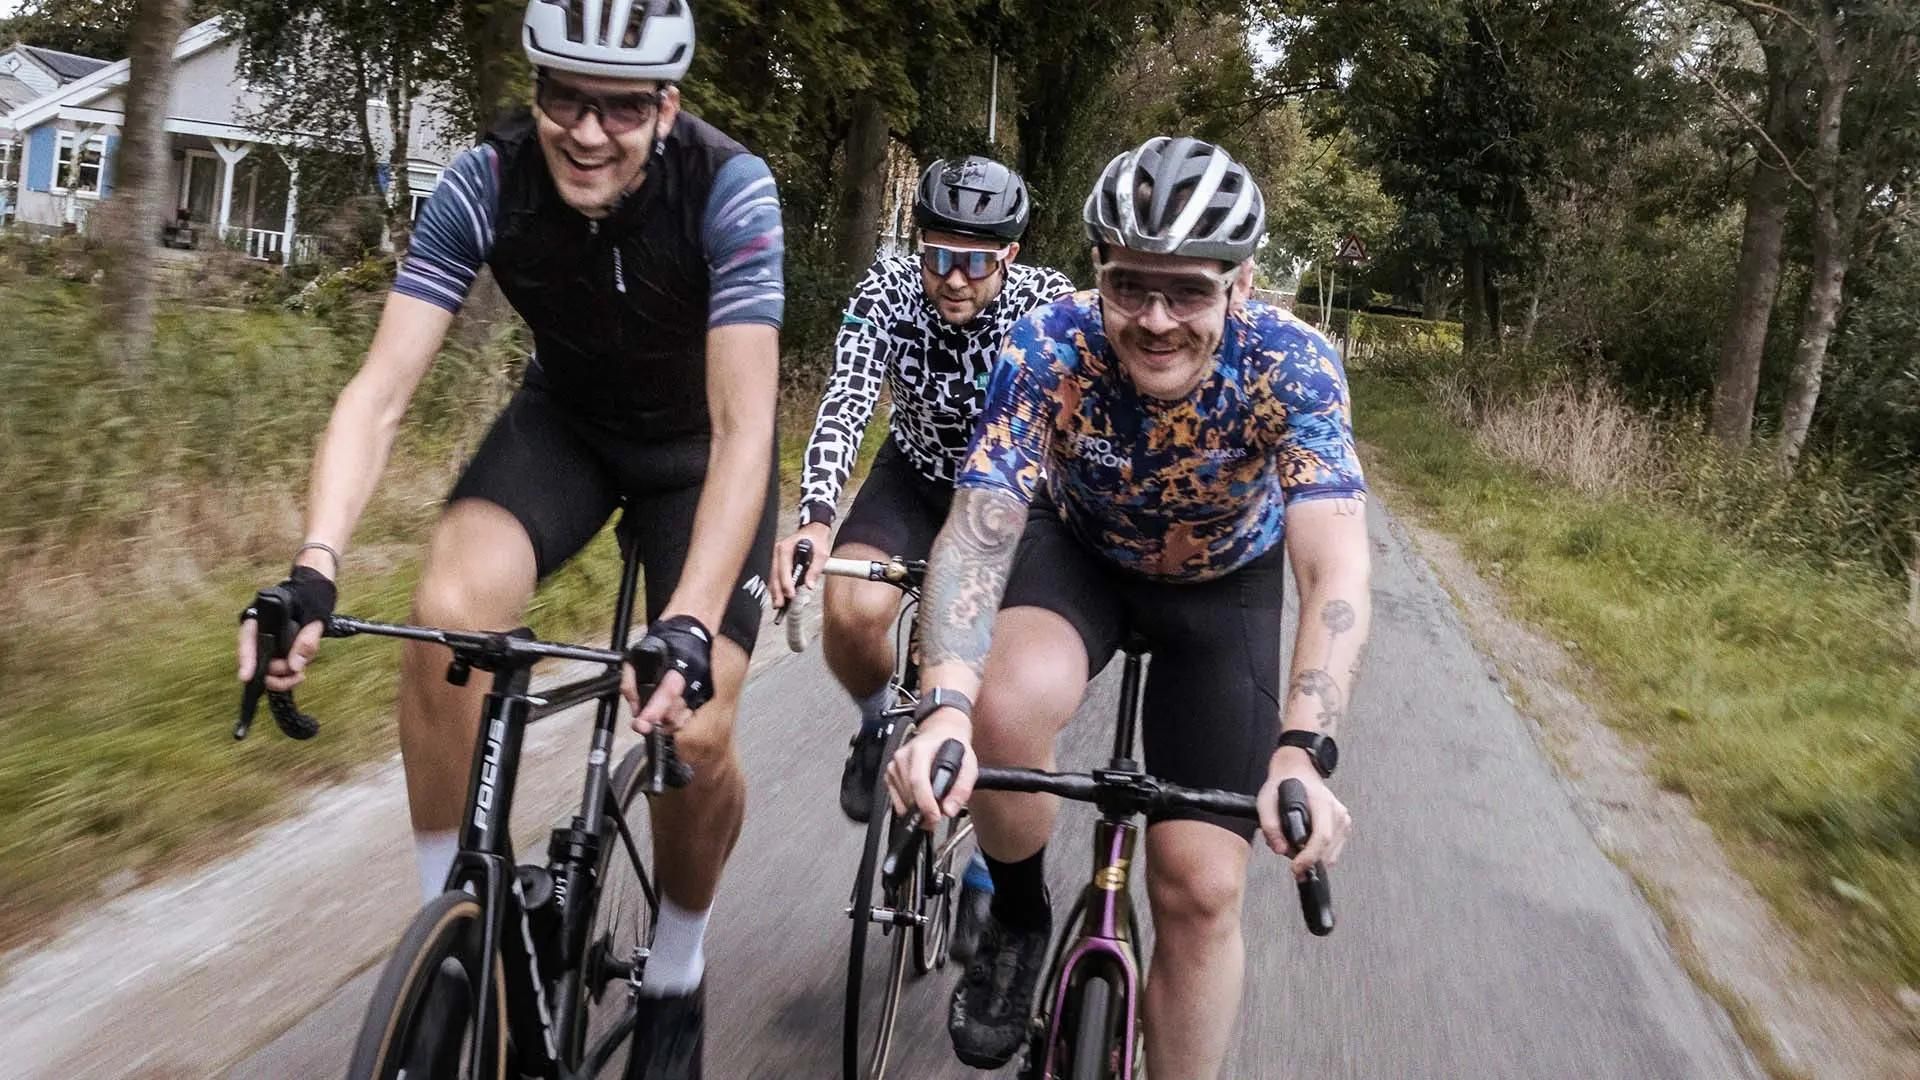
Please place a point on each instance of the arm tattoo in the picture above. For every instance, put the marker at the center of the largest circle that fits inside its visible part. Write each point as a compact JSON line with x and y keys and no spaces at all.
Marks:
{"x":1337,"y":616}
{"x":1318,"y":684}
{"x":967,"y":575}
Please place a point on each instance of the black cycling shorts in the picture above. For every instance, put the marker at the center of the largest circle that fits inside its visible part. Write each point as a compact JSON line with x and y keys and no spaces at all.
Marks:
{"x":1210,"y":711}
{"x":898,"y":510}
{"x":562,"y":476}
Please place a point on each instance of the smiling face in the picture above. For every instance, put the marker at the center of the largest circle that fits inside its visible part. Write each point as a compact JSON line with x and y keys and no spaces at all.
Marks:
{"x":958,"y":298}
{"x":592,"y":167}
{"x":1165,"y":316}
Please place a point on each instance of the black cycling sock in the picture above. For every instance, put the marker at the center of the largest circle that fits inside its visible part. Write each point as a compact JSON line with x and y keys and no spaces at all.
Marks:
{"x":1020,"y":891}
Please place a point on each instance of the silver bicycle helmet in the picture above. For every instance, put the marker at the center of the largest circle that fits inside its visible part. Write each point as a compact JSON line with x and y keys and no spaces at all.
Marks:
{"x":617,"y":39}
{"x":1178,"y":197}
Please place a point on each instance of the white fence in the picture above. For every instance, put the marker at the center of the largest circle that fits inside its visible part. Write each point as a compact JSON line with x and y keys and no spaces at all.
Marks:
{"x":269,"y":245}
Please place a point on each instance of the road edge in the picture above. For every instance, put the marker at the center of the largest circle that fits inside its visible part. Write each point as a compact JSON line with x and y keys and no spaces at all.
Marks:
{"x":1723,"y":934}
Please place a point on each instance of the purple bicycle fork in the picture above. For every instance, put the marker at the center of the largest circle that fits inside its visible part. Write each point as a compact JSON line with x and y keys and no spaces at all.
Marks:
{"x":1103,"y":942}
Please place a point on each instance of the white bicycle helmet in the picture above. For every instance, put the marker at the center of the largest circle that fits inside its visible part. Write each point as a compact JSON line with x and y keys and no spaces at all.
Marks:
{"x":1178,"y":197}
{"x":617,"y":39}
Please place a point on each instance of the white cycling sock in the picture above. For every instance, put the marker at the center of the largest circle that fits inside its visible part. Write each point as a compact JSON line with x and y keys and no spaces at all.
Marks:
{"x":874,"y":707}
{"x":433,"y":852}
{"x":679,"y":956}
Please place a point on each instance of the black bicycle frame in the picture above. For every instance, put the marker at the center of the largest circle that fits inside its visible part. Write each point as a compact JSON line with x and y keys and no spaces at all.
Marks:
{"x":486,"y":860}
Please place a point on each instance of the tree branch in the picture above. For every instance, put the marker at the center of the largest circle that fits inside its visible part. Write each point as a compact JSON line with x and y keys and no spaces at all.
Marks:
{"x":1726,"y":100}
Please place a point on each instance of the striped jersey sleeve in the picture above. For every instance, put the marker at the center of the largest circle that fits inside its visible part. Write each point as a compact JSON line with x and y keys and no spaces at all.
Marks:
{"x":454,"y":235}
{"x":745,"y":245}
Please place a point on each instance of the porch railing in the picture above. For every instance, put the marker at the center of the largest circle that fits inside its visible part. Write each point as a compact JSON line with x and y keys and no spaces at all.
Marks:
{"x":269,"y":245}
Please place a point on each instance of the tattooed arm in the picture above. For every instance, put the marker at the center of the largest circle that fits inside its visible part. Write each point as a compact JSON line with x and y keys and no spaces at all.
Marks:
{"x":966,"y":575}
{"x":1327,"y":545}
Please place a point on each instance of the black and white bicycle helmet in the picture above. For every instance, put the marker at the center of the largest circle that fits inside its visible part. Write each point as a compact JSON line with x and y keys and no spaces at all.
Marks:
{"x":972,"y":196}
{"x":1178,"y":197}
{"x":618,"y":39}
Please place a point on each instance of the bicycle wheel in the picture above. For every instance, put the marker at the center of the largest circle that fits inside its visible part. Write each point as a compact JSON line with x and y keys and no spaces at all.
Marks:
{"x":1093,"y":1031}
{"x":866,"y":1037}
{"x":622,"y":923}
{"x":936,"y":901}
{"x":420,"y":1023}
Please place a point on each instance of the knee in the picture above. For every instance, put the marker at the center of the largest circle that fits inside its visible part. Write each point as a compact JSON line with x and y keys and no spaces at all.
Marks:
{"x":1023,"y":705}
{"x":853,"y":619}
{"x":1196,"y":898}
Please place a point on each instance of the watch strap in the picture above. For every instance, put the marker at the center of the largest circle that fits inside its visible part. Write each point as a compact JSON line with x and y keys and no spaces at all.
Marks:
{"x":941,"y":698}
{"x":1316,"y":744}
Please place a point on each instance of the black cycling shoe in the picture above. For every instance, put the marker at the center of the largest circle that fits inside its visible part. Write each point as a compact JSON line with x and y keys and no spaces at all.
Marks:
{"x":993,"y":1004}
{"x":861,"y":773}
{"x":667,"y":1037}
{"x":969,"y":922}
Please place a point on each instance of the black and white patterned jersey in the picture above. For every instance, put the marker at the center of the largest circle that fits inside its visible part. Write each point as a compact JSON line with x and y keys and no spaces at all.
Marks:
{"x":891,"y":331}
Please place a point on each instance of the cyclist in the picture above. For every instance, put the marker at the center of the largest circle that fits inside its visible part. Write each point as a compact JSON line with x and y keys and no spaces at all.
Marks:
{"x":643,"y":248}
{"x":929,"y":328}
{"x":1146,"y":454}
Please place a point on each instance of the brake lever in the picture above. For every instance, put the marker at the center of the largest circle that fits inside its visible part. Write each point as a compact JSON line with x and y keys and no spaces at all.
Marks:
{"x":1316,"y":895}
{"x":946,"y":770}
{"x":272,"y":612}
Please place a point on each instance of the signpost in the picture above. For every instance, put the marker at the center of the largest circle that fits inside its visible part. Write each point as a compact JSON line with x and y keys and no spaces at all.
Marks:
{"x":1350,"y":252}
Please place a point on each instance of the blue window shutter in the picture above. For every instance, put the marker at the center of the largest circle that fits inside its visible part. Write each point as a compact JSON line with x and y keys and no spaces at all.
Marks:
{"x":42,"y":149}
{"x":382,"y":176}
{"x":106,"y":165}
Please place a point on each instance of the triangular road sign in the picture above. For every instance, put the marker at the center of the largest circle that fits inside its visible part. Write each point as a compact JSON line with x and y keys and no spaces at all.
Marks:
{"x":1351,"y":250}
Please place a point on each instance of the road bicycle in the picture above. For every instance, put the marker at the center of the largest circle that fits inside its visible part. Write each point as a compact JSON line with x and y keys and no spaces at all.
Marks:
{"x":914,"y":909}
{"x":1086,"y":1023}
{"x":514,"y":970}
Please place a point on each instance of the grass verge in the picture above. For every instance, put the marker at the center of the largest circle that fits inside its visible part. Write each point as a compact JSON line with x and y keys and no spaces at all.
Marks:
{"x":1782,"y":697}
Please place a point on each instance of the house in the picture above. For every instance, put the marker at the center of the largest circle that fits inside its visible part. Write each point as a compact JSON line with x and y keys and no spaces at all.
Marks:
{"x":232,"y":179}
{"x":26,"y":73}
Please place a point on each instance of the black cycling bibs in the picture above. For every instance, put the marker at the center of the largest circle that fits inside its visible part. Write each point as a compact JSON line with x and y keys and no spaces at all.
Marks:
{"x":619,"y":307}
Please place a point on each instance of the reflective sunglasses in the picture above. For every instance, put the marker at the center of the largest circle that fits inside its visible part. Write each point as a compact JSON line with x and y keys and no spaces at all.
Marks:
{"x":1187,"y":295}
{"x":977,"y":265}
{"x":618,"y":113}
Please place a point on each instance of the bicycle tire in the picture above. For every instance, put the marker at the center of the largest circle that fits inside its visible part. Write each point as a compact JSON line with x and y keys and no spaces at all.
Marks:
{"x":855,"y":1063}
{"x":623,"y":919}
{"x":1093,"y":1031}
{"x":930,"y":937}
{"x":421,"y":993}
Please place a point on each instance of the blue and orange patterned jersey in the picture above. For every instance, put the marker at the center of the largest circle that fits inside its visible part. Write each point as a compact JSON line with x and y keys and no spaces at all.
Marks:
{"x":1175,"y":490}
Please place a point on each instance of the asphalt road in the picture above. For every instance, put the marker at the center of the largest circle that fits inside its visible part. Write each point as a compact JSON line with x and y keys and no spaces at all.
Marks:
{"x":1482,"y":934}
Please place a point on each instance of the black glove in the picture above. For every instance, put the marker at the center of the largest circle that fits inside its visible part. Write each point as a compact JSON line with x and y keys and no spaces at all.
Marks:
{"x":310,"y":598}
{"x":689,"y":652}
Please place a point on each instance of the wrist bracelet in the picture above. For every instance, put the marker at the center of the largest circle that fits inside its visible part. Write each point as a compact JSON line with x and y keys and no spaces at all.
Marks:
{"x":315,"y":545}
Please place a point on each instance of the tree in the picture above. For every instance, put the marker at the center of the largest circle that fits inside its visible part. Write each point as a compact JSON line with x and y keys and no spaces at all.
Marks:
{"x":318,"y":63}
{"x":1864,"y":147}
{"x":140,"y":202}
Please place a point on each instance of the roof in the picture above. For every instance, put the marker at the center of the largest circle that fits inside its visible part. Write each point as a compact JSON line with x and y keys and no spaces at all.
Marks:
{"x":65,"y":65}
{"x":14,"y":93}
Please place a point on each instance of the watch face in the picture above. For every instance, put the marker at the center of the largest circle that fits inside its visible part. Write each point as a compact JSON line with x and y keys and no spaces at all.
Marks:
{"x":1329,"y":754}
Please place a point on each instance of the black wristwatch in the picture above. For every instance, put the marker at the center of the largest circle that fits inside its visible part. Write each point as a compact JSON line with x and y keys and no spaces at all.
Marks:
{"x":1323,"y":751}
{"x":941,"y":698}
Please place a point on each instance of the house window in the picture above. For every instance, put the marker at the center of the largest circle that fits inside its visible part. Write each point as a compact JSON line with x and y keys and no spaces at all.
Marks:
{"x":9,"y":163}
{"x":419,"y":204}
{"x":90,"y":157}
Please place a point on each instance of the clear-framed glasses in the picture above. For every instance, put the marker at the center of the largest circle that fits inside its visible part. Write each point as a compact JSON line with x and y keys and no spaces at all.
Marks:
{"x":975,"y":263}
{"x":619,"y":113}
{"x":1188,"y":294}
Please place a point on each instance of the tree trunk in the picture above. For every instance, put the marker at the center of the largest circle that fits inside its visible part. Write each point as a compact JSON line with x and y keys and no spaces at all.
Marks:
{"x":1756,"y":282}
{"x":1473,"y":307}
{"x":1833,"y":211}
{"x":492,"y":29}
{"x":399,"y":189}
{"x":1433,"y":296}
{"x":139,"y":200}
{"x":864,"y":188}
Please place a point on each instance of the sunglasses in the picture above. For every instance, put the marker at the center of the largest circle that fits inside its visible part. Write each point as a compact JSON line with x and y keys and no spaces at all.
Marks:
{"x":618,"y":113}
{"x":977,"y":265}
{"x":1186,"y":295}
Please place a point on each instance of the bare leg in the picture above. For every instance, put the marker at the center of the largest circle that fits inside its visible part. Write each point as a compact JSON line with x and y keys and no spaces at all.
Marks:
{"x":1036,"y":675}
{"x":1196,"y":881}
{"x":857,"y":628}
{"x":694,"y":828}
{"x":480,"y":573}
